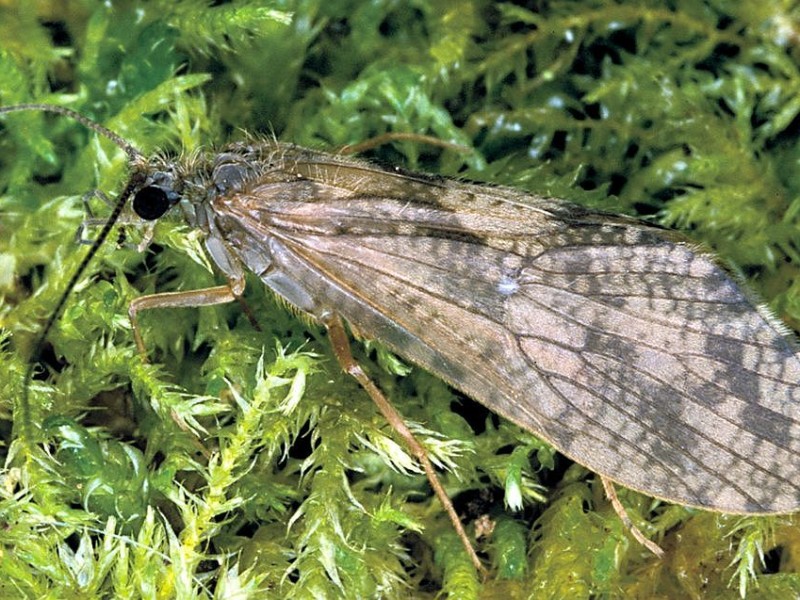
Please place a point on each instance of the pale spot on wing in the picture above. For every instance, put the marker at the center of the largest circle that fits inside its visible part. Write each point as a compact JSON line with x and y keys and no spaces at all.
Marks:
{"x":507,"y":286}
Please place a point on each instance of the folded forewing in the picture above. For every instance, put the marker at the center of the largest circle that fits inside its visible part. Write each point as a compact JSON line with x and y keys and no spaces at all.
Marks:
{"x":629,"y":351}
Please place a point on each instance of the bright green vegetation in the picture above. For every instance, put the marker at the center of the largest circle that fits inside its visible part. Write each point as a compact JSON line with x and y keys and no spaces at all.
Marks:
{"x":243,"y":464}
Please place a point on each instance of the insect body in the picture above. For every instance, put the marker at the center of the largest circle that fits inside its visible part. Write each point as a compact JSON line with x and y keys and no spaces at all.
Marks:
{"x":627,"y":348}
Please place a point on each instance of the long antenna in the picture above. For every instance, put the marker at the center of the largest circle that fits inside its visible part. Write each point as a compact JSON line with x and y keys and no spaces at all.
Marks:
{"x":135,"y":158}
{"x":129,"y":149}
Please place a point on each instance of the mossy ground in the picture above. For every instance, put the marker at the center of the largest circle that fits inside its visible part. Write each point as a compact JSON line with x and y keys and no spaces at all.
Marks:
{"x":243,"y":464}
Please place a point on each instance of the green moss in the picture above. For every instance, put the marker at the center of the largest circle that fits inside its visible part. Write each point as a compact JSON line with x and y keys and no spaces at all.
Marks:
{"x":244,"y":462}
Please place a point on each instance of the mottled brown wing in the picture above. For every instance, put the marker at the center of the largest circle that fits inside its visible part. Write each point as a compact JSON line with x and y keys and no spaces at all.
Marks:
{"x":629,"y":351}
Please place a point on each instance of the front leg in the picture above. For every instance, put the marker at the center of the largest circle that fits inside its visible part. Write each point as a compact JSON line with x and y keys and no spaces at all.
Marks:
{"x":194,"y":298}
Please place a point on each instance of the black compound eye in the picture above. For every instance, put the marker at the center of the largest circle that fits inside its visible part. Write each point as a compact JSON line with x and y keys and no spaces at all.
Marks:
{"x":151,"y":202}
